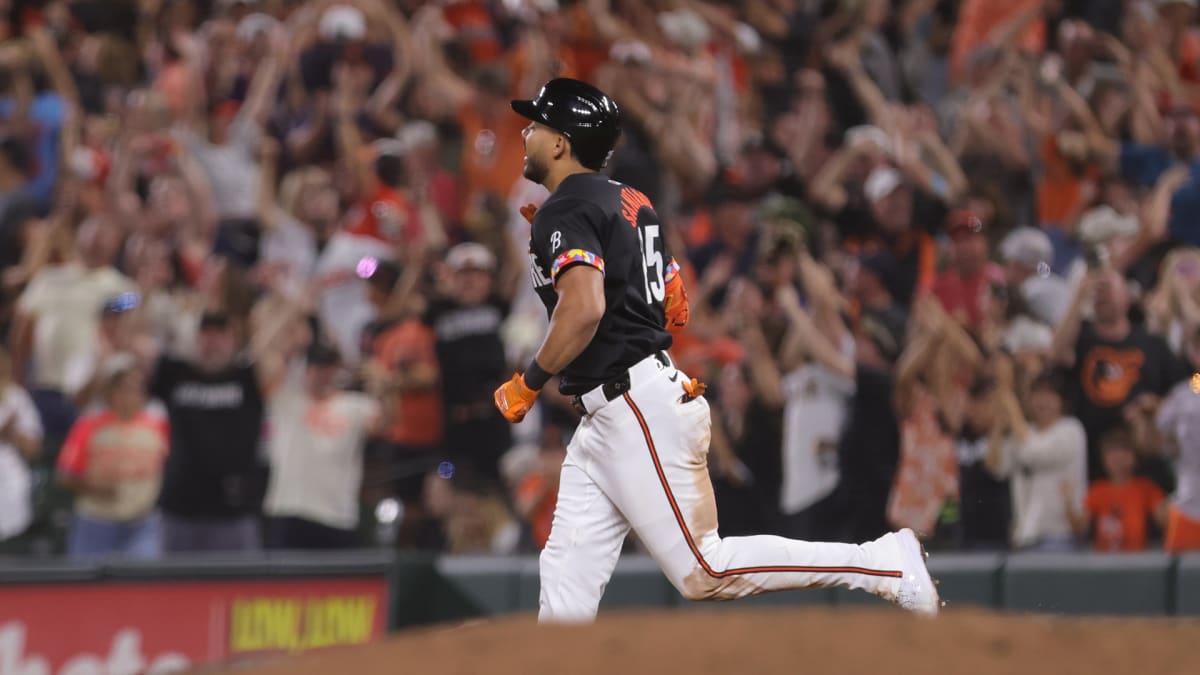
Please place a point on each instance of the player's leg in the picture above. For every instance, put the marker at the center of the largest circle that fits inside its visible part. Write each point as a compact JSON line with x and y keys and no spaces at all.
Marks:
{"x":585,"y":540}
{"x":659,"y":479}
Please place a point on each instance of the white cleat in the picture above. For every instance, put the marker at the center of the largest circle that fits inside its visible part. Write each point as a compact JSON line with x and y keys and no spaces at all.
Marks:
{"x":918,"y":591}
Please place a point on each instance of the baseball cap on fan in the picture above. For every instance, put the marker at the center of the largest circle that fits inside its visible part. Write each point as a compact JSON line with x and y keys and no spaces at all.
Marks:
{"x":1027,"y":246}
{"x":1103,"y":223}
{"x":470,"y":256}
{"x":416,"y":134}
{"x":120,"y":304}
{"x":253,"y":25}
{"x":391,"y":147}
{"x":342,"y":23}
{"x":882,"y":182}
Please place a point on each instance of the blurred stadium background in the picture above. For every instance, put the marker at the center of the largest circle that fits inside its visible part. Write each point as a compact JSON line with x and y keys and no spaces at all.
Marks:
{"x":262,"y":266}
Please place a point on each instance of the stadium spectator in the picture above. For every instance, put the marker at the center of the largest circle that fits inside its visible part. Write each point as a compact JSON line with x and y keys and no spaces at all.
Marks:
{"x":1049,"y":470}
{"x":933,"y":377}
{"x":118,"y":338}
{"x":222,"y":135}
{"x":466,"y":324}
{"x":1120,"y":504}
{"x":431,"y":184}
{"x":17,"y":212}
{"x":892,"y":211}
{"x":297,"y":223}
{"x":402,"y":369}
{"x":818,"y":357}
{"x":1173,"y":306}
{"x":983,"y":445}
{"x":58,"y":317}
{"x":317,"y":434}
{"x":755,"y":428}
{"x":1112,"y":360}
{"x":1176,"y":419}
{"x":963,"y":289}
{"x":869,"y":449}
{"x":215,"y":474}
{"x":265,"y":159}
{"x":383,"y":225}
{"x":113,"y":461}
{"x":1028,"y":255}
{"x":20,"y":444}
{"x":38,"y":114}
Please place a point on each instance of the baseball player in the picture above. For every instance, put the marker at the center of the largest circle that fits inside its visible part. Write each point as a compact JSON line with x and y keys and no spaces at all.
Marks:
{"x":638,"y":460}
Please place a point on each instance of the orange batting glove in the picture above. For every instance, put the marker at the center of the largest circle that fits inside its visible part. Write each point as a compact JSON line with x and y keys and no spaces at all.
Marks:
{"x":514,"y":400}
{"x":675,"y":305}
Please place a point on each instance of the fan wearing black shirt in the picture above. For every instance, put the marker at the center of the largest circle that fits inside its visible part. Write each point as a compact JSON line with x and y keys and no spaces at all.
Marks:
{"x":1113,"y":362}
{"x":471,"y":358}
{"x":215,"y":475}
{"x":984,"y":503}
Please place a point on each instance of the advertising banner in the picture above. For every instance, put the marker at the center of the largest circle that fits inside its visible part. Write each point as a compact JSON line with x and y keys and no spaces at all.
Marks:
{"x":165,"y":627}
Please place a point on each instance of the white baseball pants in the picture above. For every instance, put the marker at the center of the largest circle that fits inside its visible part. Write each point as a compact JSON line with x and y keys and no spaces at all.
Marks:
{"x":641,"y":461}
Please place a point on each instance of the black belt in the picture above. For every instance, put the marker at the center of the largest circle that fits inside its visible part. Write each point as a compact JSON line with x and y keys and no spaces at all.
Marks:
{"x":615,"y":387}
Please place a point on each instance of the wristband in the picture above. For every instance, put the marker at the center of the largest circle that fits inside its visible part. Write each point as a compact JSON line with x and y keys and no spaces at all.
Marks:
{"x":535,"y":376}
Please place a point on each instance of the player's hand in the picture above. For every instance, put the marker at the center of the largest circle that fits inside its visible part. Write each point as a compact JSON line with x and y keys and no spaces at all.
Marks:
{"x":528,"y":210}
{"x":514,"y":400}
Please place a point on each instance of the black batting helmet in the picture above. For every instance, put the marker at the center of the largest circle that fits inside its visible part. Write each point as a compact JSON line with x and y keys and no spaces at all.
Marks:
{"x":579,"y":111}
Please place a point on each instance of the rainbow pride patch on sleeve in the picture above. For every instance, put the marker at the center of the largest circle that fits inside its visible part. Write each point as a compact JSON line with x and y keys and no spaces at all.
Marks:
{"x":575,"y":255}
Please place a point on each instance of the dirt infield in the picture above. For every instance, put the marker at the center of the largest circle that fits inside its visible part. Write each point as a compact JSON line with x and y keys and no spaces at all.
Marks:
{"x":734,"y":641}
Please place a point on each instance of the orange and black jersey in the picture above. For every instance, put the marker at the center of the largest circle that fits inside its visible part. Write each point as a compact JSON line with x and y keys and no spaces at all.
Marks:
{"x":592,"y":220}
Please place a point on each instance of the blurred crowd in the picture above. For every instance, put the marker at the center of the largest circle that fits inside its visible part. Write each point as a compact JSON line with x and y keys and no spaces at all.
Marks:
{"x":262,"y":266}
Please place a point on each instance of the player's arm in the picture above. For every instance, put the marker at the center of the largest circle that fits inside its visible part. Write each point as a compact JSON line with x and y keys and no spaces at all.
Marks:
{"x":578,"y":313}
{"x":579,"y":310}
{"x":577,"y":273}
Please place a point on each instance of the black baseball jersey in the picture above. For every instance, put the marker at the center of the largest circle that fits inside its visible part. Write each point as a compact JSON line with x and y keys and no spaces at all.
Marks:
{"x":592,"y":220}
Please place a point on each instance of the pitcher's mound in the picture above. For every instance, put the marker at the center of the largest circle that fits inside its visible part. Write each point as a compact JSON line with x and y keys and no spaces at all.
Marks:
{"x":749,"y":642}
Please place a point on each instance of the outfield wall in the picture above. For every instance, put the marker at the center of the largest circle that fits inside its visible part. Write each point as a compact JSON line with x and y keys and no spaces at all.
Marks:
{"x":204,"y":609}
{"x":1135,"y":584}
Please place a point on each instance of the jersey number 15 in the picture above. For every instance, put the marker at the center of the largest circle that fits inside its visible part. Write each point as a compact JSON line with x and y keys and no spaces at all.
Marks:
{"x":653,"y":260}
